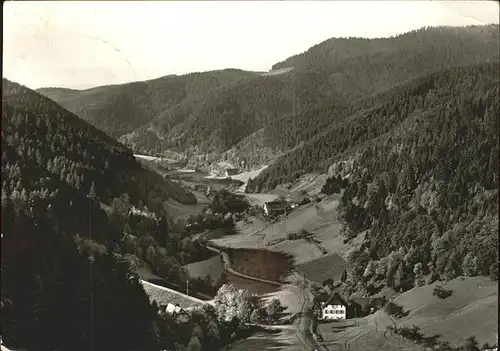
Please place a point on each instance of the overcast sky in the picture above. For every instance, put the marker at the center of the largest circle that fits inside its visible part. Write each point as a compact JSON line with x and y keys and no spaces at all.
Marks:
{"x":85,"y":44}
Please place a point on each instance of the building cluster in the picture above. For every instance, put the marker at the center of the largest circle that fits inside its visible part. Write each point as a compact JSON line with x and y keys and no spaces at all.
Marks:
{"x":231,"y":172}
{"x":176,"y":311}
{"x":281,"y":206}
{"x":334,"y":307}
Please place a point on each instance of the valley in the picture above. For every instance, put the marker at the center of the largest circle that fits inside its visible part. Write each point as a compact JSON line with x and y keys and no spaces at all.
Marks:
{"x":343,"y":198}
{"x":251,"y":253}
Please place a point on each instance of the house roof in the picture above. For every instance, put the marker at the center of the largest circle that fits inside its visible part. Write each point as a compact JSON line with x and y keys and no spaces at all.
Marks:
{"x":277,"y":202}
{"x":364,"y":301}
{"x":335,"y":299}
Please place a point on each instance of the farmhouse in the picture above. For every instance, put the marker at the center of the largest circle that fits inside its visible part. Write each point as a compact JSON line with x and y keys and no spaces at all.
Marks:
{"x":172,"y":309}
{"x":335,"y":308}
{"x":276,"y":207}
{"x":176,"y":311}
{"x":231,"y":171}
{"x":361,"y":306}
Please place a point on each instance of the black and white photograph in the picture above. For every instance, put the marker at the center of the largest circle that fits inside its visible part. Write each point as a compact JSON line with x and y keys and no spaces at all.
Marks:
{"x":250,"y":175}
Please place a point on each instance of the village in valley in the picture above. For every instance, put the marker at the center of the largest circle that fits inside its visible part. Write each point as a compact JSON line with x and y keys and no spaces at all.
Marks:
{"x":293,"y":221}
{"x":248,"y":176}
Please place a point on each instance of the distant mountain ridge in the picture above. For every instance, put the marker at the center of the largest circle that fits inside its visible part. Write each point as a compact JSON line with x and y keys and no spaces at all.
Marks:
{"x":209,"y":123}
{"x":119,"y":109}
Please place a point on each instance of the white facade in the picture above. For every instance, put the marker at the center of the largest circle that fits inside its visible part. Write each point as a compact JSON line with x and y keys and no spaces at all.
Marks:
{"x":266,"y":209}
{"x":333,"y":312}
{"x":171,"y":309}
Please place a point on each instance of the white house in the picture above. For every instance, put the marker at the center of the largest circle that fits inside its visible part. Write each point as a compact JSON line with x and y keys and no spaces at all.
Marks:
{"x":333,"y":312}
{"x":333,"y":309}
{"x":173,"y":309}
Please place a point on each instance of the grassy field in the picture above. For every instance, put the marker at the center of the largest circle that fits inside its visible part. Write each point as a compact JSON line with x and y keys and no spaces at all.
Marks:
{"x":472,"y":310}
{"x":320,"y":219}
{"x":301,"y":250}
{"x":368,"y":334}
{"x":163,"y":296}
{"x":310,"y":183}
{"x":253,"y":226}
{"x":213,"y":267}
{"x":252,"y":287}
{"x":329,"y":266}
{"x":247,"y":175}
{"x":284,"y":340}
{"x":177,"y":210}
{"x":260,"y":199}
{"x":260,"y":263}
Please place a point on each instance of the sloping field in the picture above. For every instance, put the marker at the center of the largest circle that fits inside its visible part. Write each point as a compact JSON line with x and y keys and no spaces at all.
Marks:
{"x":320,"y":219}
{"x":285,"y":340}
{"x":212,"y":266}
{"x":301,"y":250}
{"x":310,"y":183}
{"x":253,"y":226}
{"x":277,"y":72}
{"x":154,"y":158}
{"x":246,"y":175}
{"x":262,"y":264}
{"x":260,"y":199}
{"x":253,"y":287}
{"x":329,"y":266}
{"x":163,"y":296}
{"x":472,"y":310}
{"x":303,"y":217}
{"x":177,"y":210}
{"x":368,"y":334}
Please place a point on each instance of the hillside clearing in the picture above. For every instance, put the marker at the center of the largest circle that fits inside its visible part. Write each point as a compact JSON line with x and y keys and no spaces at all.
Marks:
{"x":472,"y":310}
{"x":245,"y":176}
{"x":284,"y":340}
{"x":329,"y":266}
{"x":260,"y":199}
{"x":163,"y":296}
{"x":276,"y":72}
{"x":320,"y":219}
{"x":154,"y":158}
{"x":177,"y":210}
{"x":213,"y":267}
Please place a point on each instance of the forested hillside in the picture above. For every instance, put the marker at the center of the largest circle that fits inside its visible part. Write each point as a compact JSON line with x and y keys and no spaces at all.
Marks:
{"x":422,"y":163}
{"x":279,"y":108}
{"x":119,"y":109}
{"x":78,"y":212}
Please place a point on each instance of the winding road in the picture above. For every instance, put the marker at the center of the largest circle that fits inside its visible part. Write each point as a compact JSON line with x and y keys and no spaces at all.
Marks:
{"x":303,"y":331}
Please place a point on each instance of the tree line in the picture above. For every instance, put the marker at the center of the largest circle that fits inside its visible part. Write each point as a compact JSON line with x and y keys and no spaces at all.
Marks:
{"x":79,"y":214}
{"x":422,"y":170}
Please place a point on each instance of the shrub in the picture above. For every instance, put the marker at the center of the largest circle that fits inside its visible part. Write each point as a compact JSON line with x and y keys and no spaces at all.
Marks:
{"x":305,"y":201}
{"x":395,"y":310}
{"x":441,"y":293}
